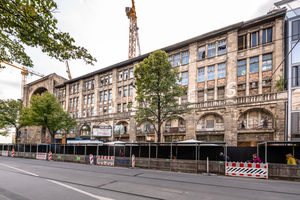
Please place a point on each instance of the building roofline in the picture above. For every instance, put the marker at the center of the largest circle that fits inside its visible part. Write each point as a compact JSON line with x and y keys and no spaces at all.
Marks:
{"x":237,"y":26}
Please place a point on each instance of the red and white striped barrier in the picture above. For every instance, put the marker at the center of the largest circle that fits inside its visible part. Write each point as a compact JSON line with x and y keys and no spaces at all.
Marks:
{"x":255,"y":170}
{"x":106,"y":160}
{"x":133,"y":160}
{"x":91,"y":159}
{"x":13,"y":153}
{"x":50,"y":155}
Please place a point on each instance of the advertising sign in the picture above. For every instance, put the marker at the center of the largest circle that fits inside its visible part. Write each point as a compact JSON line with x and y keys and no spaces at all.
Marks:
{"x":102,"y":131}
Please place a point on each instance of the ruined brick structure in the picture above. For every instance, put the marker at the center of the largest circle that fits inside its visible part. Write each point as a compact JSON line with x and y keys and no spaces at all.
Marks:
{"x":226,"y":71}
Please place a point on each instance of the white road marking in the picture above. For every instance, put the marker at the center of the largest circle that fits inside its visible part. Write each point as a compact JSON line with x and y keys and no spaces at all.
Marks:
{"x":81,"y":191}
{"x":67,"y":186}
{"x":20,"y":170}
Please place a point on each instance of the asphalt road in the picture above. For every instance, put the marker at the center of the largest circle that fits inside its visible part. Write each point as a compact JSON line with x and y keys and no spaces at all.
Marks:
{"x":23,"y":179}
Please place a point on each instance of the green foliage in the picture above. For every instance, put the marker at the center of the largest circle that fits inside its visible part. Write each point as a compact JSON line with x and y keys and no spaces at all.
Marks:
{"x":158,"y":91}
{"x":280,"y":83}
{"x":10,"y":112}
{"x":31,"y":23}
{"x":46,"y":111}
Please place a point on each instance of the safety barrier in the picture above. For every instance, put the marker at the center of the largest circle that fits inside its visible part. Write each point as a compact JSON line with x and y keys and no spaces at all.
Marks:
{"x":41,"y":156}
{"x":5,"y":153}
{"x":50,"y":156}
{"x":255,"y":170}
{"x":91,"y":159}
{"x":106,"y":160}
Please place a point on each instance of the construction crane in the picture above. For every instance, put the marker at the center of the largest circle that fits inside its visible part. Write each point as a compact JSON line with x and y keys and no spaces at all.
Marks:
{"x":24,"y":73}
{"x":68,"y":70}
{"x":133,"y":31}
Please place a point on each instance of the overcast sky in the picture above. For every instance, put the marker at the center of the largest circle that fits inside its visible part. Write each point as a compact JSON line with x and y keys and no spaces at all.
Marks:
{"x":101,"y":26}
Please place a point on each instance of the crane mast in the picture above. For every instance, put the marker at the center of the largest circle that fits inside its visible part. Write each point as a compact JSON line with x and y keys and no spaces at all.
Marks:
{"x":133,"y":32}
{"x":68,"y":70}
{"x":24,"y":72}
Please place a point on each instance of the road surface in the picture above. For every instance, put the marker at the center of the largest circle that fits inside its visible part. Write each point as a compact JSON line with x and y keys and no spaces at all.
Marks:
{"x":23,"y":179}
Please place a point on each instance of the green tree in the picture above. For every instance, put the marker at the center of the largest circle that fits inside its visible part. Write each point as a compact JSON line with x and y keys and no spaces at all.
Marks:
{"x":10,"y":112}
{"x":46,"y":111}
{"x":280,"y":83}
{"x":158,"y":90}
{"x":31,"y":23}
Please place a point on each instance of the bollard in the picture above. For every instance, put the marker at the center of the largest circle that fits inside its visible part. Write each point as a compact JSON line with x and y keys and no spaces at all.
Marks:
{"x":91,"y":159}
{"x":133,"y":161}
{"x":13,"y":153}
{"x":50,"y":155}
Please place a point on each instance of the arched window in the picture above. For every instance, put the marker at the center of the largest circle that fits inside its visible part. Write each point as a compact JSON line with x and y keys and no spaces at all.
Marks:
{"x":85,"y":130}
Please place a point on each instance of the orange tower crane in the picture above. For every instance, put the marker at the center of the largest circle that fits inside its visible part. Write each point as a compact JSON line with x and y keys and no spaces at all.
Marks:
{"x":24,"y":73}
{"x":133,"y":31}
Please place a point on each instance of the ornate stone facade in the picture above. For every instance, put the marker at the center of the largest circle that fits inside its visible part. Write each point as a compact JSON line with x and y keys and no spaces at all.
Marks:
{"x":226,"y":71}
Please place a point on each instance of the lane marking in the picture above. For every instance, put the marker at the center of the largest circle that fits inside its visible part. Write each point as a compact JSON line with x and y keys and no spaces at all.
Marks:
{"x":20,"y":170}
{"x":80,"y":191}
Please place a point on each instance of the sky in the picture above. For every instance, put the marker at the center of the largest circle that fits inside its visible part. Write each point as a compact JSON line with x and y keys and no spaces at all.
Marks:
{"x":102,"y":27}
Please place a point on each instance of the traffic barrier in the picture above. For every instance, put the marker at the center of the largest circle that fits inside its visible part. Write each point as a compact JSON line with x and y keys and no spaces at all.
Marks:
{"x":133,"y":160}
{"x":255,"y":170}
{"x":41,"y":156}
{"x":5,"y":153}
{"x":50,"y":155}
{"x":91,"y":159}
{"x":13,"y":153}
{"x":106,"y":160}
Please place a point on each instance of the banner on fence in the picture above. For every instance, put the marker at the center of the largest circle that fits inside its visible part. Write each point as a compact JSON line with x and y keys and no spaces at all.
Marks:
{"x":255,"y":170}
{"x":5,"y":153}
{"x":106,"y":160}
{"x":41,"y":156}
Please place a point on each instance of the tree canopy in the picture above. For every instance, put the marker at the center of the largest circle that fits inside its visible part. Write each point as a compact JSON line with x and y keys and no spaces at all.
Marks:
{"x":46,"y":111}
{"x":158,"y":90}
{"x":31,"y":23}
{"x":10,"y":112}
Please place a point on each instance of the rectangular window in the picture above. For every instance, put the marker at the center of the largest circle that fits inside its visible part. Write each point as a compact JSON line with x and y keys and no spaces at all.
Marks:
{"x":104,"y":110}
{"x":101,"y":97}
{"x":296,"y":76}
{"x":185,"y":57}
{"x":201,"y":53}
{"x":176,"y":59}
{"x":253,"y":65}
{"x":84,"y":100}
{"x":120,"y":92}
{"x":200,"y":95}
{"x":100,"y":111}
{"x":125,"y":91}
{"x":106,"y":80}
{"x":211,"y":50}
{"x":64,"y":92}
{"x":130,"y":90}
{"x":75,"y":89}
{"x":84,"y":113}
{"x":124,"y":107}
{"x":201,"y":74}
{"x":221,"y":47}
{"x":120,"y":76}
{"x":185,"y":78}
{"x":242,"y":42}
{"x":110,"y":78}
{"x":93,"y":84}
{"x":109,"y":95}
{"x":89,"y":99}
{"x":77,"y":101}
{"x":210,"y":94}
{"x":267,"y":62}
{"x":267,"y":36}
{"x":77,"y":114}
{"x":131,"y":73}
{"x":170,"y":59}
{"x":71,"y":101}
{"x":211,"y":73}
{"x":92,"y":111}
{"x":125,"y":74}
{"x":109,"y":109}
{"x":74,"y":102}
{"x":221,"y":70}
{"x":221,"y":92}
{"x":90,"y":84}
{"x":241,"y":67}
{"x":101,"y":81}
{"x":88,"y":112}
{"x":295,"y":123}
{"x":105,"y":95}
{"x":295,"y":30}
{"x":92,"y":100}
{"x":85,"y":85}
{"x":296,"y":53}
{"x":71,"y":90}
{"x":254,"y":39}
{"x":119,"y":108}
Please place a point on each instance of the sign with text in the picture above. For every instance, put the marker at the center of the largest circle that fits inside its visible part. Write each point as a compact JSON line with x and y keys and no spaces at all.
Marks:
{"x":4,"y":153}
{"x":41,"y":156}
{"x":102,"y":131}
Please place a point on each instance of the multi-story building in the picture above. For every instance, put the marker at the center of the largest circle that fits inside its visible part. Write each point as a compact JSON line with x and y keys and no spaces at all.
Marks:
{"x":228,"y":75}
{"x":292,"y":66}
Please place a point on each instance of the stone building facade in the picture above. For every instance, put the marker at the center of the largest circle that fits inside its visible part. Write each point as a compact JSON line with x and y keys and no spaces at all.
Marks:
{"x":227,"y":73}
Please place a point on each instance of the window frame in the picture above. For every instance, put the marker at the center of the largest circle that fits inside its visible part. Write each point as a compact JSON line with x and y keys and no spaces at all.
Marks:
{"x":242,"y":67}
{"x":211,"y":50}
{"x":211,"y":73}
{"x":222,"y":47}
{"x":201,"y":74}
{"x":185,"y":57}
{"x":202,"y":53}
{"x":254,"y":65}
{"x":221,"y":70}
{"x":184,"y":78}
